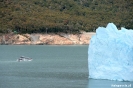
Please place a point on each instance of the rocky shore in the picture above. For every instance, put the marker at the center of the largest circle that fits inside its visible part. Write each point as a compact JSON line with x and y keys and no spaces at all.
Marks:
{"x":46,"y":39}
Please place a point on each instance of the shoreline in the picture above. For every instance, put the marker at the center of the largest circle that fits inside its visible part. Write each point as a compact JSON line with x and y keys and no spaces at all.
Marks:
{"x":46,"y":39}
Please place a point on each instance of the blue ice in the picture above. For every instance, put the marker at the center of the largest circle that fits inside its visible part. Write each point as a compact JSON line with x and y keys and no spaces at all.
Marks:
{"x":110,"y":54}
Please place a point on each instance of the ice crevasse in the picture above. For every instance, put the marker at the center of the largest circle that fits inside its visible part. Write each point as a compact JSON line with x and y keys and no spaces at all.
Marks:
{"x":110,"y":54}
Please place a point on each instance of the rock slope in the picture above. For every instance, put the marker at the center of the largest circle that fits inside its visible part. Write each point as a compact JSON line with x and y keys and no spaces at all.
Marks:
{"x":46,"y":39}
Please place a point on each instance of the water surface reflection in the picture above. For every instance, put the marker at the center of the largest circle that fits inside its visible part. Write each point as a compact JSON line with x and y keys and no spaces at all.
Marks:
{"x":92,"y":83}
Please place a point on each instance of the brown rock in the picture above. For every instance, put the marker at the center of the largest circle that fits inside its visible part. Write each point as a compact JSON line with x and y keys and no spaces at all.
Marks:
{"x":51,"y":39}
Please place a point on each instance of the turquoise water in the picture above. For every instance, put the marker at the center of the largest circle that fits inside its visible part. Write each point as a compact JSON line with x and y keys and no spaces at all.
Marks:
{"x":52,"y":67}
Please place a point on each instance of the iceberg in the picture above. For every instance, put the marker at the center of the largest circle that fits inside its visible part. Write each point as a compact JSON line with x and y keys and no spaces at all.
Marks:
{"x":110,"y":54}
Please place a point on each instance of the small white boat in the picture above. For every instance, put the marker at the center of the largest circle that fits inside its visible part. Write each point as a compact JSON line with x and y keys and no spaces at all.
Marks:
{"x":22,"y":58}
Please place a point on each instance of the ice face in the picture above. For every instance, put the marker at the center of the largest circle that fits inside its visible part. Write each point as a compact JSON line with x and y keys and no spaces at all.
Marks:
{"x":110,"y":54}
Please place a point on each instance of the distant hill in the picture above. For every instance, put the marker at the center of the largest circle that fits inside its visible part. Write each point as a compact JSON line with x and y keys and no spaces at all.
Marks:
{"x":69,"y":16}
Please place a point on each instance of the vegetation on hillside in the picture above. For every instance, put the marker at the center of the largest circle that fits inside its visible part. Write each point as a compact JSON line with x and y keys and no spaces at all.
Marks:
{"x":69,"y":16}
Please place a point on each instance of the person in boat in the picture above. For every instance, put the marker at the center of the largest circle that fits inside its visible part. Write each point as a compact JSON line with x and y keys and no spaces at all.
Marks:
{"x":20,"y":59}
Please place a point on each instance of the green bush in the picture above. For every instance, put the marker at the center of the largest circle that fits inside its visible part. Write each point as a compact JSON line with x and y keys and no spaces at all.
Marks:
{"x":37,"y":16}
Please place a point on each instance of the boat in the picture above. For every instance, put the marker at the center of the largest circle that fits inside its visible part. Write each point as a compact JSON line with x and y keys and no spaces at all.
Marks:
{"x":23,"y":58}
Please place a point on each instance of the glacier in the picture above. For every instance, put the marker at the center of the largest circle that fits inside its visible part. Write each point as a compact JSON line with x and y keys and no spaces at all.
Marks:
{"x":110,"y":54}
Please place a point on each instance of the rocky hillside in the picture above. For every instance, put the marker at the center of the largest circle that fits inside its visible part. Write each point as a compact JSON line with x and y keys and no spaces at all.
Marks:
{"x":46,"y":39}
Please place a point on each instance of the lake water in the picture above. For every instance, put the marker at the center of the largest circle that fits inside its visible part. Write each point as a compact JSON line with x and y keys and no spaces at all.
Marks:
{"x":52,"y":67}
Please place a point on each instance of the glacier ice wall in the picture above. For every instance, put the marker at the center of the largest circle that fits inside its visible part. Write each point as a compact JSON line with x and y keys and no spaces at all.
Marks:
{"x":110,"y":54}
